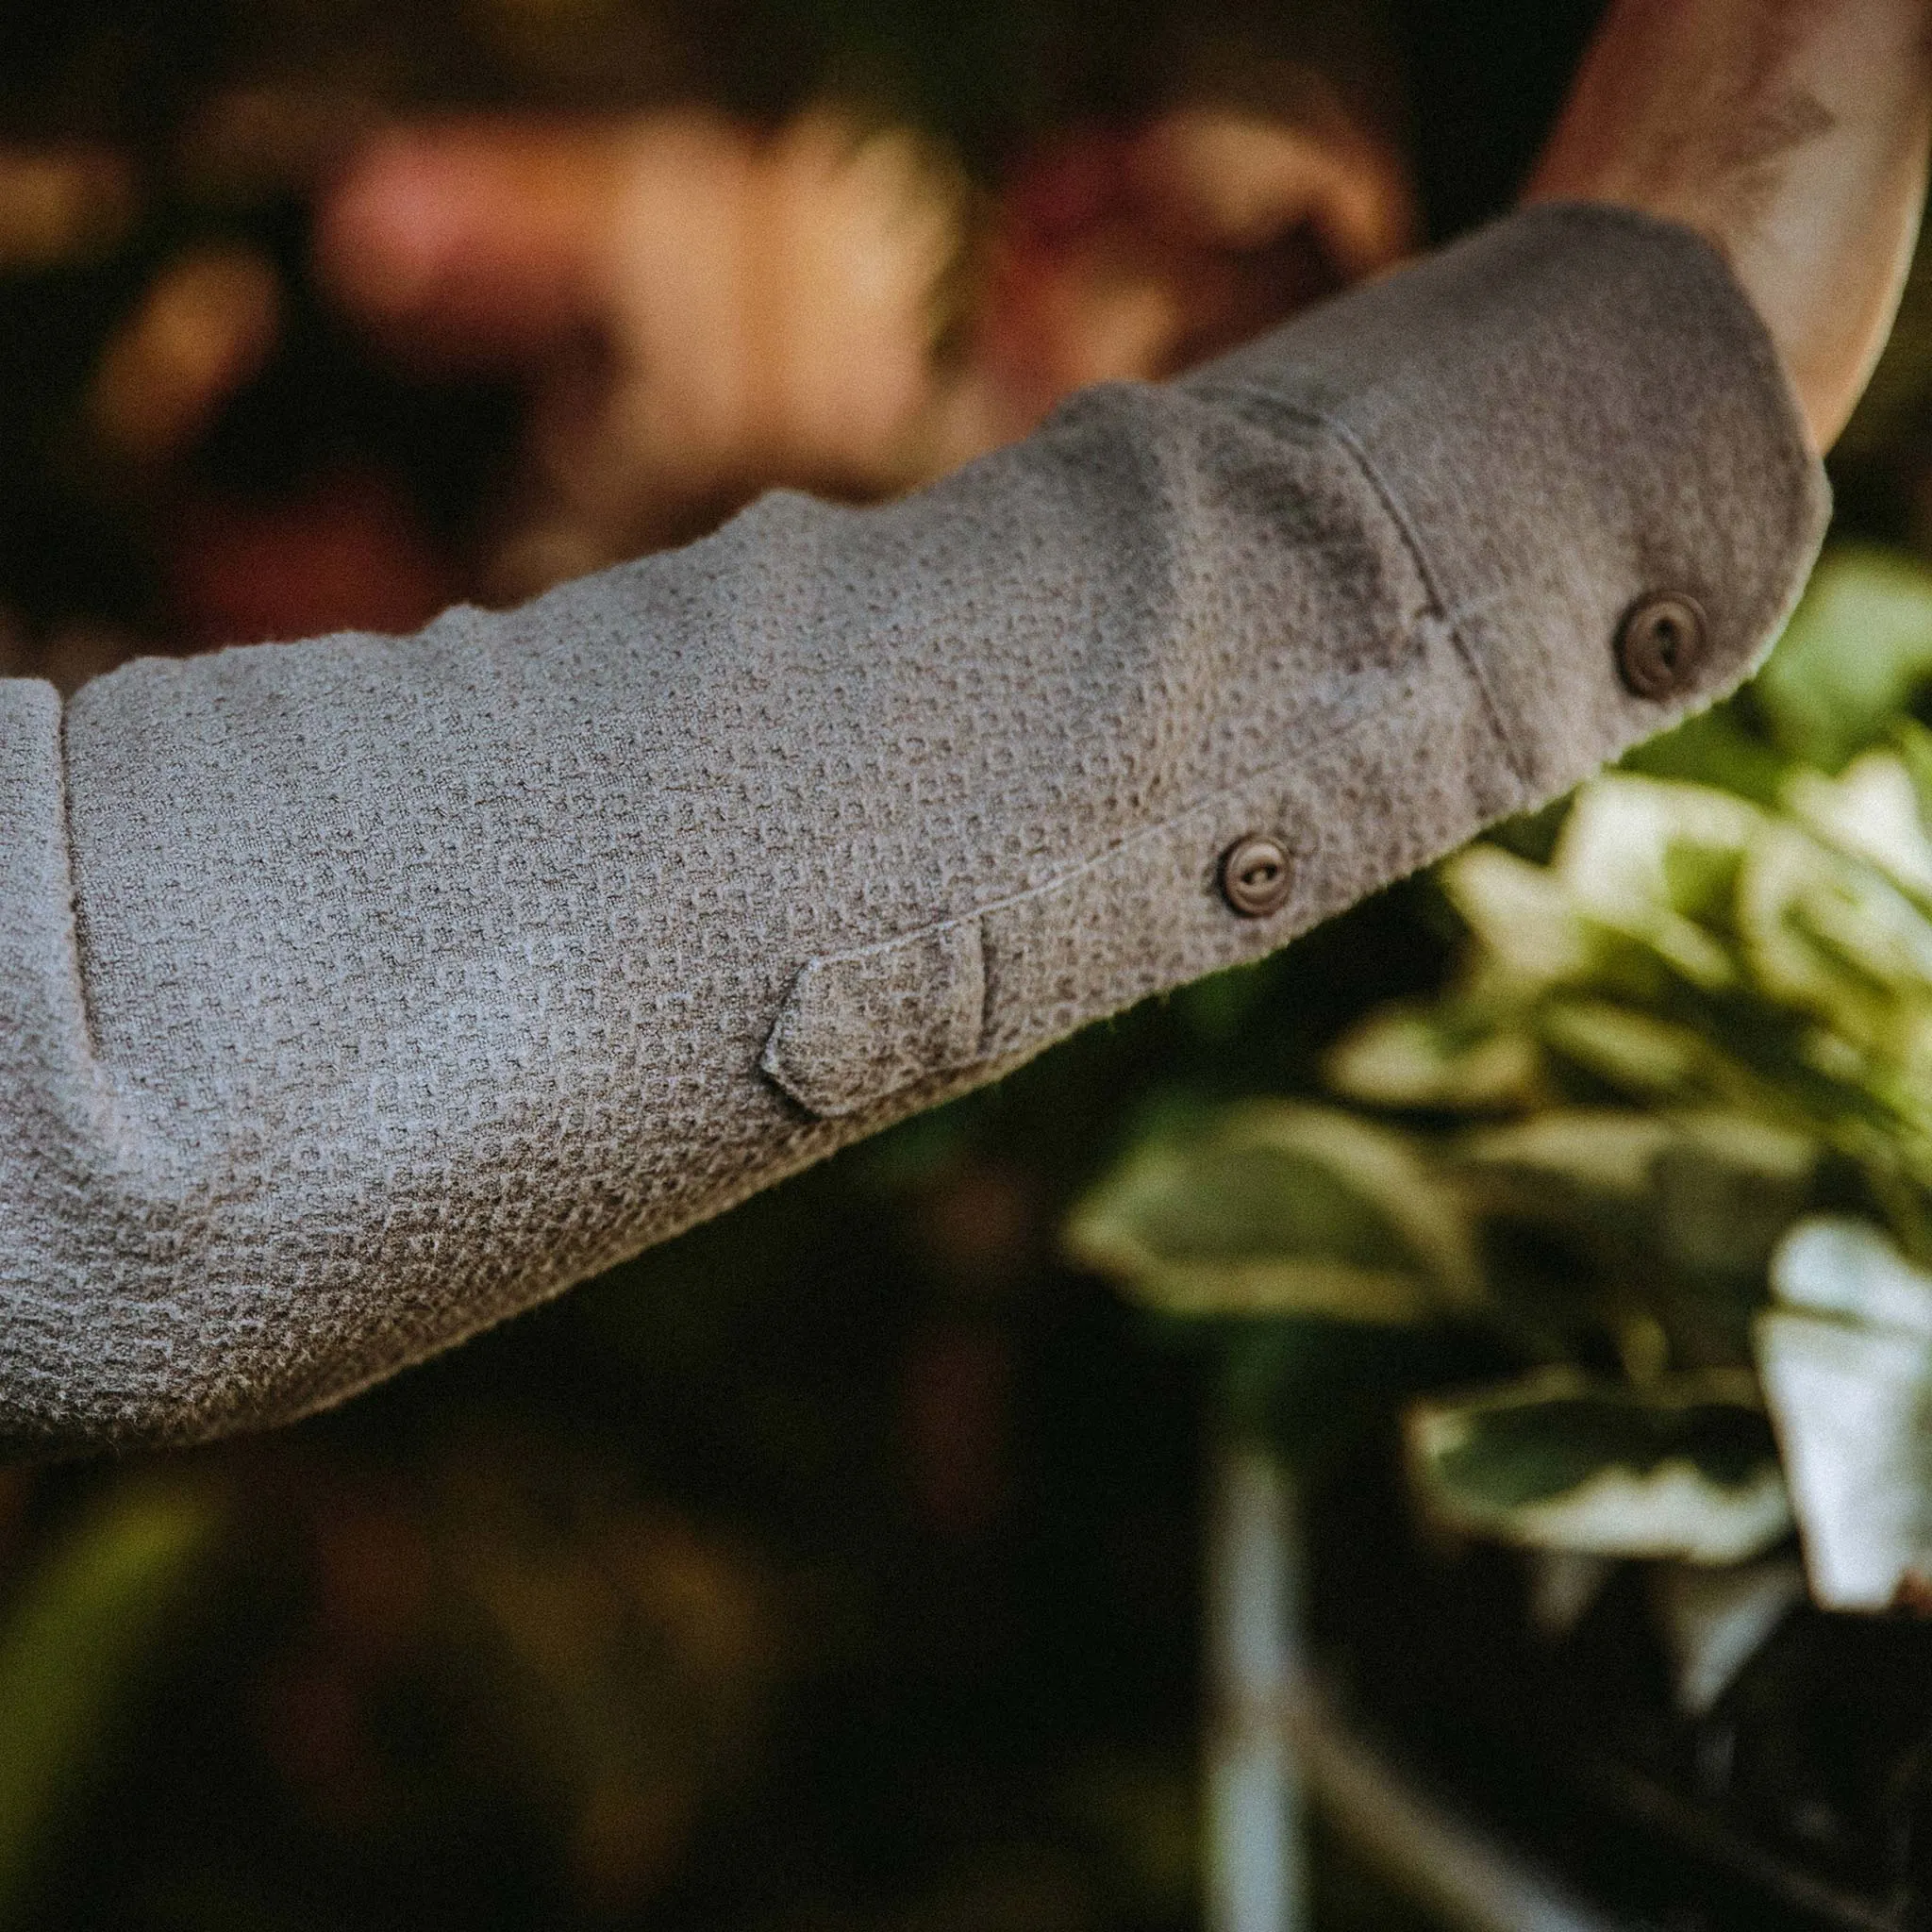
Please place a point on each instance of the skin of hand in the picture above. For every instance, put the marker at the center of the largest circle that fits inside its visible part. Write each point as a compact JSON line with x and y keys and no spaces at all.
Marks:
{"x":1792,"y":134}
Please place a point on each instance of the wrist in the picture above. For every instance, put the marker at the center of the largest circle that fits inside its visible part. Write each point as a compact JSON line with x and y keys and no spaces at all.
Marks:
{"x":1791,"y":137}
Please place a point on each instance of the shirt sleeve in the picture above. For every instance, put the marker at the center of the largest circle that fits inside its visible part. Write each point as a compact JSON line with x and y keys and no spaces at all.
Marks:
{"x":357,"y":992}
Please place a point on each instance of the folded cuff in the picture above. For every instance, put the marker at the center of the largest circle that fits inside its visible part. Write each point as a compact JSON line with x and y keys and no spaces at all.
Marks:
{"x":1578,"y":416}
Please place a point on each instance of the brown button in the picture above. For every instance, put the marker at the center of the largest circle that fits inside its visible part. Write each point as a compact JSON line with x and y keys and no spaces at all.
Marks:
{"x":1255,"y":876}
{"x":1661,"y":645}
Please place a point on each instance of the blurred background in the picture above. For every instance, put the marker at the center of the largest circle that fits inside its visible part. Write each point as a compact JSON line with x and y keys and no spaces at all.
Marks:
{"x":838,"y":1565}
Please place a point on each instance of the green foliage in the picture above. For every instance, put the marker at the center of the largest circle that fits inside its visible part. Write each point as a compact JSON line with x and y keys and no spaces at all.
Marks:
{"x":1686,"y":954}
{"x":1855,"y":658}
{"x":1285,"y":1210}
{"x":89,"y":1618}
{"x":1845,"y":1353}
{"x":1682,"y":1469}
{"x":1694,"y":1008}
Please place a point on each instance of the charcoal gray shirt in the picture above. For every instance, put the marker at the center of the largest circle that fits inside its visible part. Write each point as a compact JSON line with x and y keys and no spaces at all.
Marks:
{"x":356,"y":993}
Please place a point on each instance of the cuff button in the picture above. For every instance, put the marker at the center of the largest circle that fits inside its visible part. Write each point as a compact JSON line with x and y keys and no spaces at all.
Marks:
{"x":1256,"y":877}
{"x":1661,"y":645}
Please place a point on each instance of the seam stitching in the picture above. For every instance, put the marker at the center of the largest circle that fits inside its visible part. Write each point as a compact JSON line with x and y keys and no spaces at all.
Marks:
{"x":1392,"y":508}
{"x":1060,"y":881}
{"x":1345,"y":438}
{"x":75,"y":919}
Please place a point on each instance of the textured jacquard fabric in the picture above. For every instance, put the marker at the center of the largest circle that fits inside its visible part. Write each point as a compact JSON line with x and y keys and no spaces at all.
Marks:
{"x":355,"y":994}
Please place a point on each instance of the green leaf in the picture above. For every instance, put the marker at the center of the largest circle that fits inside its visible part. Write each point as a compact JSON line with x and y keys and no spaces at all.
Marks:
{"x":1427,"y":1057}
{"x":1836,"y":938}
{"x":1703,"y":1188}
{"x":1913,"y":743}
{"x":1646,"y":1057}
{"x":1657,"y":862}
{"x":1851,"y":1269}
{"x":1715,"y":747}
{"x":1728,"y":1188}
{"x":1684,"y":1469}
{"x":85,"y":1621}
{"x":1846,"y":1362}
{"x":1873,"y":812}
{"x":1521,"y":916}
{"x":1851,"y":1406}
{"x":1636,"y":847}
{"x":1856,"y":652}
{"x":1593,"y":1150}
{"x":1281,"y":1209}
{"x":1638,"y":894}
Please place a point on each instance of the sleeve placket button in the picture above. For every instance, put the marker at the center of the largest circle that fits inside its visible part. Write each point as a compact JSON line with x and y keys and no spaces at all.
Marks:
{"x":1661,"y":645}
{"x":1255,"y":877}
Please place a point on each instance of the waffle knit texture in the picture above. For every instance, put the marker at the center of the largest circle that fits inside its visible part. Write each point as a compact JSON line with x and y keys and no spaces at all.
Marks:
{"x":356,"y":993}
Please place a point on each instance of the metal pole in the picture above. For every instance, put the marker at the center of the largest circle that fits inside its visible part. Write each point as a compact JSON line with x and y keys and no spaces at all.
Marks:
{"x":1256,"y":1877}
{"x":1278,"y":1745}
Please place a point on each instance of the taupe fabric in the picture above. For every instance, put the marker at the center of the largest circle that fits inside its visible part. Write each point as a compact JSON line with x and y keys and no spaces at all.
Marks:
{"x":355,"y":992}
